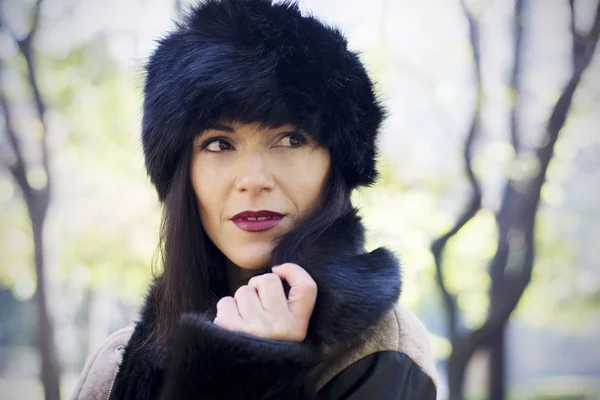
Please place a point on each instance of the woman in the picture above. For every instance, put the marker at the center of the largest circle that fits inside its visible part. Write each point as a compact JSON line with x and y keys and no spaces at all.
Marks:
{"x":258,"y":123}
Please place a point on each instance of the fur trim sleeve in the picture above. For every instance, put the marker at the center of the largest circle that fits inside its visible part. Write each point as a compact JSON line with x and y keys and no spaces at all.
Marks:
{"x":214,"y":363}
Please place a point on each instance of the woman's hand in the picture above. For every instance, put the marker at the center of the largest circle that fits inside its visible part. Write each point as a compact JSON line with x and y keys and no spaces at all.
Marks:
{"x":260,"y":308}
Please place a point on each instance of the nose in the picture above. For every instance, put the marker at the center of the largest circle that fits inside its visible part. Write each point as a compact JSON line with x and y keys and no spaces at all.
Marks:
{"x":253,"y":175}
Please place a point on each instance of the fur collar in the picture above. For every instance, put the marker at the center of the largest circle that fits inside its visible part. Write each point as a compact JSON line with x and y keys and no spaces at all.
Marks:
{"x":355,"y":290}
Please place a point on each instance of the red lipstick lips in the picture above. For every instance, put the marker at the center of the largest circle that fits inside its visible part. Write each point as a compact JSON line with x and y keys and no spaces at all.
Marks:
{"x":257,"y":221}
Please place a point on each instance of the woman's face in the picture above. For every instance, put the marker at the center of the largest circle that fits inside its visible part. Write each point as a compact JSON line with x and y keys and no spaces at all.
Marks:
{"x":254,"y":184}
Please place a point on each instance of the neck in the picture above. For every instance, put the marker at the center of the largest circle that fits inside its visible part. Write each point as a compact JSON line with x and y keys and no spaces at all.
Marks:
{"x":239,"y":277}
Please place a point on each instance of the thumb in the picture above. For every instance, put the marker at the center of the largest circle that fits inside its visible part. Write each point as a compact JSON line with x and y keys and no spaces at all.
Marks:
{"x":303,"y":289}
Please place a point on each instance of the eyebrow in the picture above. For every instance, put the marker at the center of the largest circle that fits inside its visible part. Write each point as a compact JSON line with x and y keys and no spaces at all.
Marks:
{"x":229,"y":129}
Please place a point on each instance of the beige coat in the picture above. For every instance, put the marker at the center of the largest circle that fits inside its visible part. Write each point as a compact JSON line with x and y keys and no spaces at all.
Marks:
{"x":399,"y":330}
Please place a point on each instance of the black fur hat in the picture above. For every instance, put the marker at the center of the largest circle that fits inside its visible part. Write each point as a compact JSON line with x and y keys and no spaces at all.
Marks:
{"x":258,"y":61}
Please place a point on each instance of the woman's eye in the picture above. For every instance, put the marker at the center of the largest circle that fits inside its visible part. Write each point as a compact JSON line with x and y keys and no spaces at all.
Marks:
{"x":293,"y":140}
{"x":216,"y":146}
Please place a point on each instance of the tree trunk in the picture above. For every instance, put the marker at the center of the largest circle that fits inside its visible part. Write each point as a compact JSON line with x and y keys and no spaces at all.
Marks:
{"x":456,"y":380}
{"x":37,"y":201}
{"x":497,"y":370}
{"x":50,"y":371}
{"x":462,"y":351}
{"x":511,"y":267}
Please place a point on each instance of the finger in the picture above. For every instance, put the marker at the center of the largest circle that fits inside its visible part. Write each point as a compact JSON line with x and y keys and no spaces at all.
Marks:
{"x":228,"y":315}
{"x":303,"y":289}
{"x":248,"y":302}
{"x":270,"y":292}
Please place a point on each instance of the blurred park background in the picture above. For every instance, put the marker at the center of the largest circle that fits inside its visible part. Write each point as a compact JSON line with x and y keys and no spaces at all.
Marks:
{"x":489,"y":192}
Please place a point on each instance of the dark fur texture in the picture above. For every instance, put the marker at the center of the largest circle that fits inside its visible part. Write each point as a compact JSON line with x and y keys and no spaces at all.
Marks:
{"x":255,"y":61}
{"x":234,"y":365}
{"x":207,"y":362}
{"x":352,"y":283}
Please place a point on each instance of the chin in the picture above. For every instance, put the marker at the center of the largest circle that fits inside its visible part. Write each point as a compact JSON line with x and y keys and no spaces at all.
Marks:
{"x":252,"y":264}
{"x":252,"y":258}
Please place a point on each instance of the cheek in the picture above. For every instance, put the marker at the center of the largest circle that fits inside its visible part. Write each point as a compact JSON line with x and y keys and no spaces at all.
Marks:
{"x":307,"y":184}
{"x":207,"y":188}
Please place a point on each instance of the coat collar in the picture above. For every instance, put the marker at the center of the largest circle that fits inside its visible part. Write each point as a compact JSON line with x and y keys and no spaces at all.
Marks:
{"x":355,"y":289}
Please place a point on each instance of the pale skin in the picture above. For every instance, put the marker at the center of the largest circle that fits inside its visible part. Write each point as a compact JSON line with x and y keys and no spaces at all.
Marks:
{"x":240,"y":167}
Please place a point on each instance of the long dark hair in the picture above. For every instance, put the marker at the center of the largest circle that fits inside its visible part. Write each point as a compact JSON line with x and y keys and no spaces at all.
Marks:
{"x":193,"y":276}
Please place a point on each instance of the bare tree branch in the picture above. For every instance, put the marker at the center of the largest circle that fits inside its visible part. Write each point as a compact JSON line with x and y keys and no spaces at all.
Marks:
{"x":36,"y":17}
{"x":573,"y":24}
{"x":592,"y":36}
{"x":583,"y":45}
{"x":514,"y":79}
{"x":18,"y":170}
{"x":41,"y":111}
{"x":32,"y":30}
{"x":578,"y":40}
{"x":512,"y":265}
{"x":26,"y":47}
{"x":519,"y":207}
{"x":474,"y":203}
{"x":37,"y":205}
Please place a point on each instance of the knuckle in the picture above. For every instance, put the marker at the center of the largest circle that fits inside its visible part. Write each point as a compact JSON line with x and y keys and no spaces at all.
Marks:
{"x":261,"y":280}
{"x":243,"y":291}
{"x":288,"y":265}
{"x":271,"y":279}
{"x":224,"y":301}
{"x":310,"y":282}
{"x":308,"y":287}
{"x":255,"y":281}
{"x":264,"y":281}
